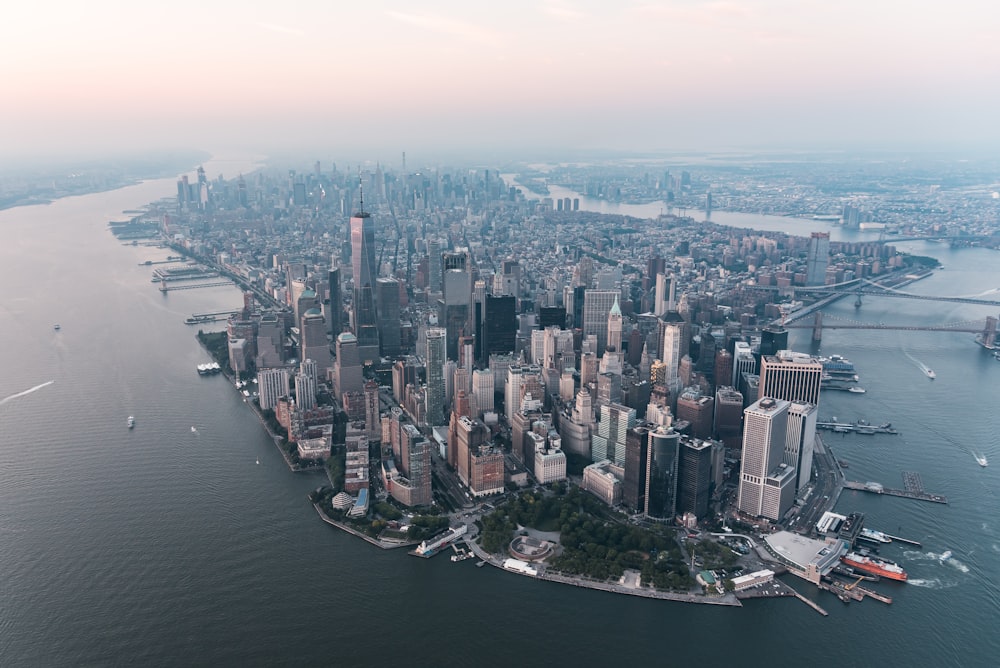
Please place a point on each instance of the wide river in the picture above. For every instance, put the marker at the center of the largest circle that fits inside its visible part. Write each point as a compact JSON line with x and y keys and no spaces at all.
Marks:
{"x":167,"y":545}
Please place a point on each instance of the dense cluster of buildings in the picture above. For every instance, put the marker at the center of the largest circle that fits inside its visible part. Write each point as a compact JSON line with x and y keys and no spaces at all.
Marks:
{"x":450,"y":319}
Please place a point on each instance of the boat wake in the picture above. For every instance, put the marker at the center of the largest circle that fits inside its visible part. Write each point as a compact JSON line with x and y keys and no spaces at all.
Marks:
{"x":929,"y":583}
{"x":946,"y":558}
{"x":25,"y":392}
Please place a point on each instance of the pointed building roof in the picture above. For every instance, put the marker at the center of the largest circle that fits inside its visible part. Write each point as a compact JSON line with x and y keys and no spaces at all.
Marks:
{"x":615,"y":309}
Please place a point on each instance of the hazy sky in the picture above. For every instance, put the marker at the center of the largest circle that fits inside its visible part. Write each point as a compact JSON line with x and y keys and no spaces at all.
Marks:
{"x":378,"y":77}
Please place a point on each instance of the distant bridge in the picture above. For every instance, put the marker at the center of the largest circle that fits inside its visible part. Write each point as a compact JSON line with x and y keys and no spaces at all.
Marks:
{"x":986,"y":329}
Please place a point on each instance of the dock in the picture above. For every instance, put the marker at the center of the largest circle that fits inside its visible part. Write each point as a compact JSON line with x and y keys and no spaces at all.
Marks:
{"x":859,"y":427}
{"x":915,"y":543}
{"x":875,"y":488}
{"x":216,"y":284}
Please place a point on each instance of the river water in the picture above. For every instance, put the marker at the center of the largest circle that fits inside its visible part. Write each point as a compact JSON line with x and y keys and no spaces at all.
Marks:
{"x":165,"y":545}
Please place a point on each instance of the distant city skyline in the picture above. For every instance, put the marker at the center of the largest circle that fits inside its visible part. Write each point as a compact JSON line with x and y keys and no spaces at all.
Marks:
{"x":520,"y":77}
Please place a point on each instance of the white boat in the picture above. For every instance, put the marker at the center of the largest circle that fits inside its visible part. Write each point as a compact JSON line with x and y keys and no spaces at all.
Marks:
{"x":857,"y":390}
{"x":930,"y":373}
{"x":194,"y":430}
{"x":982,"y":460}
{"x":131,"y":422}
{"x":56,"y":327}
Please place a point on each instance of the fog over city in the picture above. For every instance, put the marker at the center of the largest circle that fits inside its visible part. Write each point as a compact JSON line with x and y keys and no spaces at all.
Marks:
{"x":368,"y":80}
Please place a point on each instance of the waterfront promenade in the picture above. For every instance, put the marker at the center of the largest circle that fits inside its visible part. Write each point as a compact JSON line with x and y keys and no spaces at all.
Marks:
{"x":612,"y":587}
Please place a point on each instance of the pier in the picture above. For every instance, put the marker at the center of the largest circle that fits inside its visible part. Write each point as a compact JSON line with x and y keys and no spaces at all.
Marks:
{"x":877,"y":488}
{"x":915,"y":543}
{"x":216,"y":284}
{"x":859,"y":427}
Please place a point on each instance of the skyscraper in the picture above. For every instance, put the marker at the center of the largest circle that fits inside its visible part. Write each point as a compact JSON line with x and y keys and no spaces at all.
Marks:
{"x":614,"y":336}
{"x":387,"y":299}
{"x":800,"y":441}
{"x":597,"y":306}
{"x":315,"y":345}
{"x":335,"y":308}
{"x":609,"y":441}
{"x":435,"y":358}
{"x":636,"y":452}
{"x":661,"y":473}
{"x":272,"y":384}
{"x":767,"y":486}
{"x":817,"y":258}
{"x":305,"y":385}
{"x":694,"y":480}
{"x":347,"y":375}
{"x":790,"y":376}
{"x":498,"y":327}
{"x":364,"y":271}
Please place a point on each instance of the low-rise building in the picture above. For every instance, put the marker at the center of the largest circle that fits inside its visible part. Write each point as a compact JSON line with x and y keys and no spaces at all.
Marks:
{"x":599,"y":480}
{"x":752,"y":580}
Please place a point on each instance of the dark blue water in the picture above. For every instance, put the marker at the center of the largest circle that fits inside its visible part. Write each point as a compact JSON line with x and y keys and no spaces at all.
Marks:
{"x":162,"y":545}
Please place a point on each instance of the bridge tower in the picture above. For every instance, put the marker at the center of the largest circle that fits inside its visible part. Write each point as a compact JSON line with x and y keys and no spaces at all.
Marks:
{"x":989,"y":336}
{"x":818,"y":327}
{"x":857,"y":300}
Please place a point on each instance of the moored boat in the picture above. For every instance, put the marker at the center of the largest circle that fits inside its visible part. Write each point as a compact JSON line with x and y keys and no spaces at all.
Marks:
{"x":886,"y":569}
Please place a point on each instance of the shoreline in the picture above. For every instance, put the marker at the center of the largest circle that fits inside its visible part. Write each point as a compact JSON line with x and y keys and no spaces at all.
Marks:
{"x":726,"y":600}
{"x":381,"y":544}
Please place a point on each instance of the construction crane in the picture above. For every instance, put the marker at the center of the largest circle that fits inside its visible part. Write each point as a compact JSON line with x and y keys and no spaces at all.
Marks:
{"x":854,"y":584}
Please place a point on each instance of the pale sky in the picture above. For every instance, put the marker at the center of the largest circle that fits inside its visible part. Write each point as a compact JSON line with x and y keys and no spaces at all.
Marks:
{"x":376,"y":77}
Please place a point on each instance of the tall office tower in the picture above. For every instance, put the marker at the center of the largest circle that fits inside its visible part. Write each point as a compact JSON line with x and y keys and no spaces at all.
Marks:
{"x":347,"y":375}
{"x":404,"y":372}
{"x":589,"y":368}
{"x":470,"y":434}
{"x":434,"y":265}
{"x":457,"y":413}
{"x":522,"y":380}
{"x":315,"y":345}
{"x":694,"y":477}
{"x":664,"y":290}
{"x":577,"y":426}
{"x":722,"y":374}
{"x":510,"y":278}
{"x":614,"y":335}
{"x":364,"y":270}
{"x":661,"y":474}
{"x":305,"y":385}
{"x":609,"y":388}
{"x":697,"y":409}
{"x":800,"y":441}
{"x":636,"y":452}
{"x":296,"y":289}
{"x":420,"y":472}
{"x":767,"y":486}
{"x":486,"y":471}
{"x":609,"y":441}
{"x":537,"y":348}
{"x":373,"y":417}
{"x":743,"y":362}
{"x":654,"y":265}
{"x":272,"y":384}
{"x":670,"y":353}
{"x":455,"y":308}
{"x":498,"y":328}
{"x":435,"y":357}
{"x":658,"y":373}
{"x":335,"y":309}
{"x":483,"y":385}
{"x":387,"y":299}
{"x":552,"y":316}
{"x":597,"y":306}
{"x":817,"y":258}
{"x":790,"y":376}
{"x":773,"y":339}
{"x":270,"y":341}
{"x":729,"y":417}
{"x":567,"y":386}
